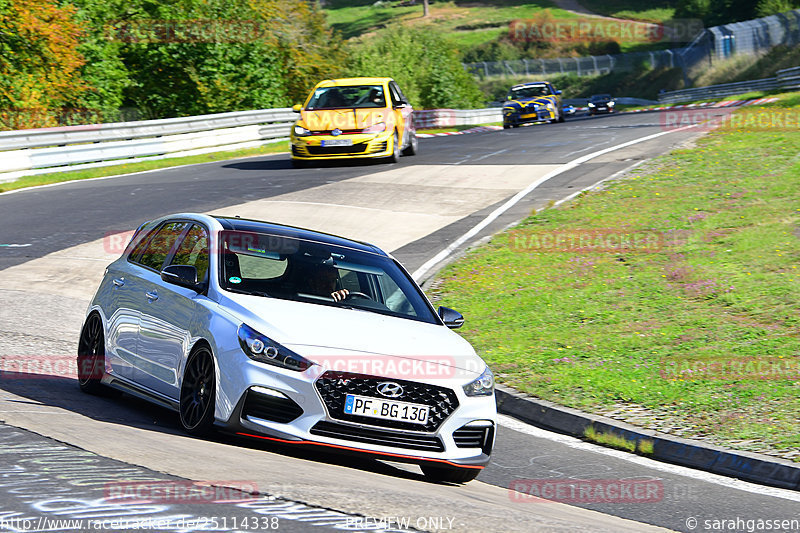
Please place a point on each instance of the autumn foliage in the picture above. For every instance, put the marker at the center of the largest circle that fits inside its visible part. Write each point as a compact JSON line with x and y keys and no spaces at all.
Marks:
{"x":39,"y":62}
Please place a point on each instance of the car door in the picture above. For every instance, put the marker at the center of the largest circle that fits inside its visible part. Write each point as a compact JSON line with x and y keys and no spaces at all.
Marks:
{"x":402,"y":111}
{"x":121,"y":304}
{"x":168,"y":316}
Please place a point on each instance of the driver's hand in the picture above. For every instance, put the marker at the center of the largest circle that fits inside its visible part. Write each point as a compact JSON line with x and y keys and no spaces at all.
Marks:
{"x":338,"y":296}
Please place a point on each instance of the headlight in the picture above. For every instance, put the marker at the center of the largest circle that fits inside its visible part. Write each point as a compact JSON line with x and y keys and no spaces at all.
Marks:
{"x":591,"y":104}
{"x":375,"y":128}
{"x":611,"y":103}
{"x":264,"y":350}
{"x":509,"y":110}
{"x":483,"y":386}
{"x":300,"y":131}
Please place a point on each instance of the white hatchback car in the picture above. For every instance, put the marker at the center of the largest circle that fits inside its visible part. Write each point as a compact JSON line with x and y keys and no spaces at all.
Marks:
{"x":289,"y":335}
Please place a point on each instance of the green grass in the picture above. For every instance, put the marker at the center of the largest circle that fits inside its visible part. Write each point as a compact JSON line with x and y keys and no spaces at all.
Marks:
{"x":126,"y":168}
{"x":595,"y":330}
{"x":653,"y":11}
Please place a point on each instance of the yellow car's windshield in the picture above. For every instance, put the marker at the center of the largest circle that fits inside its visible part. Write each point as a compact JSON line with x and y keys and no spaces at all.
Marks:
{"x":353,"y":96}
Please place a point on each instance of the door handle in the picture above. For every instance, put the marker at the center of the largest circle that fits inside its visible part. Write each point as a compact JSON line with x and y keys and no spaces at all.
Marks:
{"x":119,"y":282}
{"x":152,"y":296}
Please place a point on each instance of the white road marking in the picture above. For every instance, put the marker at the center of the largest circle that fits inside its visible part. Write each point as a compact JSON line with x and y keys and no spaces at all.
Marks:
{"x":708,"y":477}
{"x":14,"y":245}
{"x":444,"y":254}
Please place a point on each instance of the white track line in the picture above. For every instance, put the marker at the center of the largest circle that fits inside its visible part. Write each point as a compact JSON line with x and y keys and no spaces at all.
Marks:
{"x":708,"y":477}
{"x":444,"y":254}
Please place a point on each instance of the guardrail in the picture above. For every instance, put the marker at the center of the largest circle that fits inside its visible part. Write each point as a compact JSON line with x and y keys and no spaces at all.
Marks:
{"x":445,"y":118}
{"x":786,"y":79}
{"x":39,"y":151}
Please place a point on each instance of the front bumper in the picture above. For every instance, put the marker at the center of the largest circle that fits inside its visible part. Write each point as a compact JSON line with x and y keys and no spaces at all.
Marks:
{"x":310,"y":147}
{"x":527,"y":116}
{"x":307,"y":411}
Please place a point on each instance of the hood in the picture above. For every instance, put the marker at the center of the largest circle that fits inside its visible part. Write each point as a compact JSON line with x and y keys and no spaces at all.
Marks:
{"x":522,"y":102}
{"x":344,"y":119}
{"x":325,"y":334}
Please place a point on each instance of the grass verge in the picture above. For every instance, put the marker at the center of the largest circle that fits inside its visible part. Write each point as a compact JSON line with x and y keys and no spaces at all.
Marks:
{"x":695,"y":334}
{"x":140,"y":166}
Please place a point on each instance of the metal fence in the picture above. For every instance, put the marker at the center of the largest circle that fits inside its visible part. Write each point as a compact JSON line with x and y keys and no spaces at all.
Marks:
{"x":719,"y":42}
{"x":787,"y":79}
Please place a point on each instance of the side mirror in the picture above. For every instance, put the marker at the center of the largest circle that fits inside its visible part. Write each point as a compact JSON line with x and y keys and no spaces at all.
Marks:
{"x":296,"y":108}
{"x":452,"y":319}
{"x":181,"y":275}
{"x":558,"y":92}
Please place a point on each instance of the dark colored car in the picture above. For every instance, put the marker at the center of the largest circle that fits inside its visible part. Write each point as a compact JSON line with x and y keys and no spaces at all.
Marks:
{"x":601,"y":103}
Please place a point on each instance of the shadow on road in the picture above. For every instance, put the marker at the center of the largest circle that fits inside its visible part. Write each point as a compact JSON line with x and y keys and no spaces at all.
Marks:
{"x":123,"y":409}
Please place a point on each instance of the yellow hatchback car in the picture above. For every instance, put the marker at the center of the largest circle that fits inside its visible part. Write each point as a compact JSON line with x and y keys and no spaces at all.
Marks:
{"x":353,"y":118}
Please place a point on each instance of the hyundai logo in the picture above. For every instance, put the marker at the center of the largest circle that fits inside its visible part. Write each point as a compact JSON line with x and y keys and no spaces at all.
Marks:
{"x":336,"y":132}
{"x":390,"y":389}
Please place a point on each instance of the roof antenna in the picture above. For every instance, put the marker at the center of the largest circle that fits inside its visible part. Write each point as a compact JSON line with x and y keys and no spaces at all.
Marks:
{"x":236,"y":216}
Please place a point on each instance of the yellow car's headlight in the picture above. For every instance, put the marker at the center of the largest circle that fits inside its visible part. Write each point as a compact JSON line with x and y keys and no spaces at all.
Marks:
{"x":300,"y":131}
{"x":375,"y":128}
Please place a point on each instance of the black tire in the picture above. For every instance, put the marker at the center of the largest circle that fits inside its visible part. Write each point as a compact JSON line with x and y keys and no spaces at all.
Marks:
{"x":506,"y":126}
{"x":561,"y":115}
{"x":198,"y":393}
{"x":91,"y":356}
{"x":446,"y":474}
{"x":413,"y":144}
{"x":395,"y":157}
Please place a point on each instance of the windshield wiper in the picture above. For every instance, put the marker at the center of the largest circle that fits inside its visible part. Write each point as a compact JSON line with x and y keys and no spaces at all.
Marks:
{"x":252,"y":293}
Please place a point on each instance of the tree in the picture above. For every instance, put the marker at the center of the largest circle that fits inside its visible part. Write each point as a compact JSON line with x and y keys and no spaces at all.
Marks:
{"x":39,"y":62}
{"x":425,"y":65}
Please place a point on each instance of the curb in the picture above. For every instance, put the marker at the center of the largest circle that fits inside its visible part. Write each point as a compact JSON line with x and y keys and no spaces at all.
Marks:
{"x":742,"y":465}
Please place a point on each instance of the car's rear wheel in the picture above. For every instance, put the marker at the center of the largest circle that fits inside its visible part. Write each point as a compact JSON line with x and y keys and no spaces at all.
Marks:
{"x":561,"y":115}
{"x":198,"y":393}
{"x":447,"y":474}
{"x":413,"y":144}
{"x":91,"y":355}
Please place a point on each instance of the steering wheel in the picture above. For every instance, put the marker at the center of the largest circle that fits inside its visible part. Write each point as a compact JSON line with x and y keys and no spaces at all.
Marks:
{"x":359,"y":294}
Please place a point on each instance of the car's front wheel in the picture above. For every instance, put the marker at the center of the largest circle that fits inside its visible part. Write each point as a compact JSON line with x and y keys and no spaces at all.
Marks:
{"x":395,"y":157}
{"x":198,"y":393}
{"x":413,"y":144}
{"x":91,"y":355}
{"x":449,"y":474}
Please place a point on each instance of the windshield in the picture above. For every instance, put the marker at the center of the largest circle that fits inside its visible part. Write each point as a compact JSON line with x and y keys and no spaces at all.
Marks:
{"x":529,"y":92}
{"x":352,"y":96}
{"x":601,"y":98}
{"x":308,"y":271}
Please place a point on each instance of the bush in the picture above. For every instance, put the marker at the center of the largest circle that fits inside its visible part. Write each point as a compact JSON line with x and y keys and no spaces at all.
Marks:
{"x":425,"y":65}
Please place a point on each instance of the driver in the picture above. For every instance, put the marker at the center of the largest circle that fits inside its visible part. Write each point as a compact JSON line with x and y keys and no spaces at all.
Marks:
{"x":322,"y":282}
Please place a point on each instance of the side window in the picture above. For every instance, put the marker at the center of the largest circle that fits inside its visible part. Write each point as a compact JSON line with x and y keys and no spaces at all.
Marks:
{"x":397,"y":97}
{"x":193,"y":251}
{"x":399,"y":92}
{"x":160,"y":245}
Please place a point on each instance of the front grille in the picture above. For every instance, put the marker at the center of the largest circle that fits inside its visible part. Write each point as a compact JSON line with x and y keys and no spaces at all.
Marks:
{"x":474,"y":437}
{"x":298,"y":151}
{"x":334,"y":387}
{"x":270,"y":408}
{"x":380,"y":437}
{"x":336,"y":150}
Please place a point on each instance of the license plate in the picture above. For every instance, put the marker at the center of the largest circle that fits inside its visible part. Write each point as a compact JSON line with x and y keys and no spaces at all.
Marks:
{"x":338,"y":142}
{"x":386,"y":409}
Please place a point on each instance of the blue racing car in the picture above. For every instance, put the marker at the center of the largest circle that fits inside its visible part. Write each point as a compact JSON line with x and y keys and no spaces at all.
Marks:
{"x":532,"y":102}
